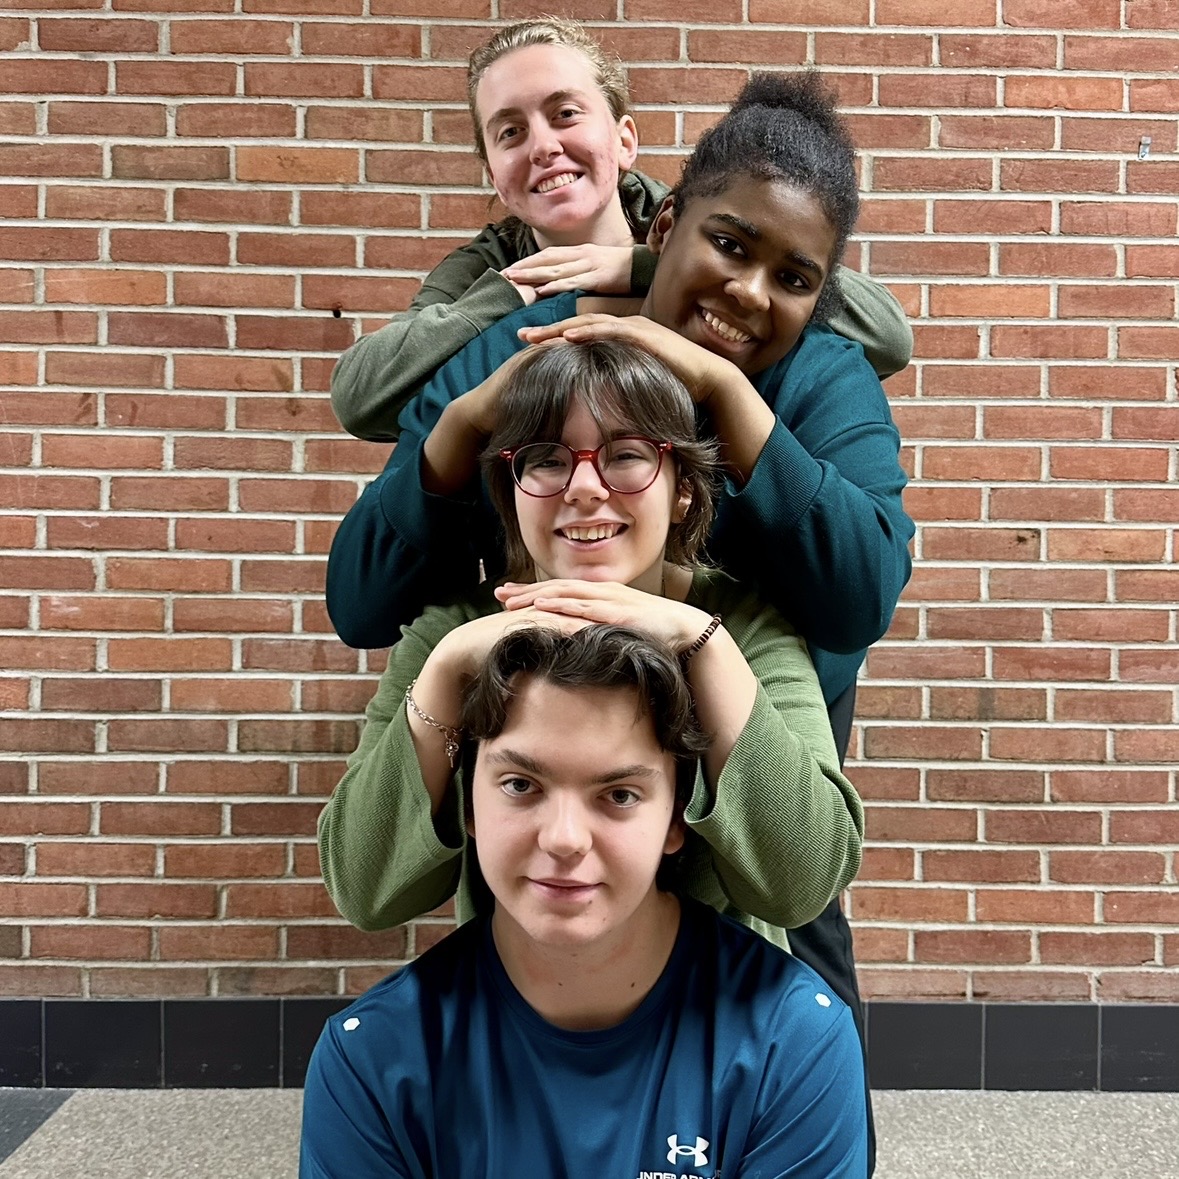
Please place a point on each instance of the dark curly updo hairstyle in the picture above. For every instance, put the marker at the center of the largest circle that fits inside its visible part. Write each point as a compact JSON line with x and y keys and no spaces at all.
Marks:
{"x":782,"y":127}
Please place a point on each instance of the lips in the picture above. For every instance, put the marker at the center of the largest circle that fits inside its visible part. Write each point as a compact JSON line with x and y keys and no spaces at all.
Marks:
{"x":727,"y":331}
{"x":564,"y":890}
{"x":552,"y":183}
{"x":587,"y":533}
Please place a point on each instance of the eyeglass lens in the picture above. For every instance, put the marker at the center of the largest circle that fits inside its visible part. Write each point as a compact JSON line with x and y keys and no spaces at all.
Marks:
{"x":626,"y":465}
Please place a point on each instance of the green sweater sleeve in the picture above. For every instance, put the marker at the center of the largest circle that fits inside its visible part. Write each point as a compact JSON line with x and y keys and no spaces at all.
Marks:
{"x":384,"y":858}
{"x":782,"y":832}
{"x":381,"y":372}
{"x":873,"y":318}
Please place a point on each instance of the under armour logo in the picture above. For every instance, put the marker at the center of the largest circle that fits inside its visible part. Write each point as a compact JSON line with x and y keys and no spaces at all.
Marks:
{"x":699,"y":1158}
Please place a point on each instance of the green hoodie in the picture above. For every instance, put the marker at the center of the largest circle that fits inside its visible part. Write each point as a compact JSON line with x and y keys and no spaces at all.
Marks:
{"x":465,"y":294}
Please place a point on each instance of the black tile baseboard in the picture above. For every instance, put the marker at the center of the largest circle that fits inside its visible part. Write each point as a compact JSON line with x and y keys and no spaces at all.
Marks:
{"x":267,"y":1043}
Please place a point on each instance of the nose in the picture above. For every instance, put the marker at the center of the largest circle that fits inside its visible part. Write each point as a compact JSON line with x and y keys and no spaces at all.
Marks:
{"x":750,"y":288}
{"x":585,"y":482}
{"x":564,"y":828}
{"x":544,"y":143}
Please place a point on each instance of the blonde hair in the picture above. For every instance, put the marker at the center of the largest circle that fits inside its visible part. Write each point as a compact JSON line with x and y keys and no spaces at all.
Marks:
{"x":547,"y":30}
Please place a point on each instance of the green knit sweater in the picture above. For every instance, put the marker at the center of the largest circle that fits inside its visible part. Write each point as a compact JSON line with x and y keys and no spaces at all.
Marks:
{"x":769,"y":843}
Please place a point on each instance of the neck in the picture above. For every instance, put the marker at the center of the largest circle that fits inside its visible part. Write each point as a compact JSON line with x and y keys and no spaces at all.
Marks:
{"x":609,"y":228}
{"x":588,"y":987}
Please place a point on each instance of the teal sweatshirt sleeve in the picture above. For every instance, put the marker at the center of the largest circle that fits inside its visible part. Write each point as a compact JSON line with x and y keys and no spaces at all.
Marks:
{"x":820,"y":527}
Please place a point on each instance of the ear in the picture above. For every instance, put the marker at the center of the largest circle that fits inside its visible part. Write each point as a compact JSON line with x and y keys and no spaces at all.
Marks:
{"x":675,"y":833}
{"x":683,"y":503}
{"x":661,"y":227}
{"x":628,"y":143}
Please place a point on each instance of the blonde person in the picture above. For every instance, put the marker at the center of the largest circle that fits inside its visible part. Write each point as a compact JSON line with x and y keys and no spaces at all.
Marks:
{"x":552,"y":124}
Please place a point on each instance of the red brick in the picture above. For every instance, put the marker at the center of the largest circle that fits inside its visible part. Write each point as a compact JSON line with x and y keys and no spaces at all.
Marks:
{"x":918,"y":663}
{"x":276,"y":980}
{"x":353,"y":293}
{"x":189,"y":247}
{"x":1108,"y":785}
{"x":990,"y":866}
{"x":1083,"y":14}
{"x":1152,"y":261}
{"x":1051,"y":663}
{"x":204,"y":78}
{"x":1105,"y":948}
{"x":370,"y":124}
{"x":234,"y":120}
{"x":228,"y":777}
{"x":185,"y":901}
{"x":987,"y":133}
{"x":1138,"y":986}
{"x":44,"y":652}
{"x":986,"y":301}
{"x":1069,"y":343}
{"x":982,"y":544}
{"x":272,"y":38}
{"x":217,"y":289}
{"x":95,"y":859}
{"x":1059,"y":176}
{"x":979,"y":382}
{"x":44,"y":900}
{"x":149,"y":982}
{"x":231,"y":615}
{"x":107,"y":118}
{"x":40,"y":981}
{"x":237,"y":374}
{"x":166,"y":735}
{"x":1144,"y":826}
{"x":100,"y":694}
{"x":342,"y":941}
{"x":90,"y":942}
{"x":1147,"y":343}
{"x":107,"y":776}
{"x":984,"y":946}
{"x":1160,"y":586}
{"x":996,"y":51}
{"x":989,"y":785}
{"x":77,"y":450}
{"x":62,"y":612}
{"x":49,"y":572}
{"x":50,"y":327}
{"x":317,"y":333}
{"x":1107,"y":382}
{"x":1065,"y":92}
{"x":929,"y":503}
{"x":1031,"y":986}
{"x":1063,"y":259}
{"x":235,"y":535}
{"x":222,"y":942}
{"x":1106,"y":867}
{"x":85,"y":203}
{"x":1152,"y":177}
{"x":105,"y":371}
{"x":1046,"y":503}
{"x":987,"y":703}
{"x":941,"y":742}
{"x":107,"y":533}
{"x":47,"y":75}
{"x":307,"y":736}
{"x":236,"y":695}
{"x":919,"y":258}
{"x":1118,"y":219}
{"x":911,"y":985}
{"x":909,"y":905}
{"x":1110,"y":625}
{"x":169,"y":654}
{"x":1042,"y":827}
{"x":278,"y":900}
{"x":134,"y":162}
{"x":1121,"y":545}
{"x":298,"y":165}
{"x":1141,"y":908}
{"x":256,"y":207}
{"x":1131,"y":54}
{"x":1151,"y":666}
{"x":237,"y":860}
{"x":909,"y":825}
{"x":170,"y":493}
{"x":1109,"y":463}
{"x":159,"y":818}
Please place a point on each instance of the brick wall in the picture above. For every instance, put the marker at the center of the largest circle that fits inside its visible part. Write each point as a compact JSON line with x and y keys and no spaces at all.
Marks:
{"x":190,"y":236}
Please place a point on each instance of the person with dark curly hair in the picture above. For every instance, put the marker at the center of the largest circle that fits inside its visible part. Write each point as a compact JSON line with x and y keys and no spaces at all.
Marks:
{"x":591,"y":1019}
{"x":553,"y":128}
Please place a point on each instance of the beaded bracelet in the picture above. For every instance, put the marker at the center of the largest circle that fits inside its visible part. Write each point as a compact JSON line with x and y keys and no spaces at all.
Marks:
{"x":705,"y":635}
{"x":453,"y":737}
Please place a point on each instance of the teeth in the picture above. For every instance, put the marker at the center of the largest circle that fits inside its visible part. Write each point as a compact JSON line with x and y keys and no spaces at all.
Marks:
{"x":556,"y":182}
{"x":596,"y":532}
{"x":727,"y":331}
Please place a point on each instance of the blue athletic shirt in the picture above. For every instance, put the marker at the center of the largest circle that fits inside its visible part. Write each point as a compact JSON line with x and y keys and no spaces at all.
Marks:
{"x":740,"y":1064}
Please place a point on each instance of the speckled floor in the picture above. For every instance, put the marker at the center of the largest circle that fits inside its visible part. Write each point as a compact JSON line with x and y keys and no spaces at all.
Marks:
{"x":253,"y":1134}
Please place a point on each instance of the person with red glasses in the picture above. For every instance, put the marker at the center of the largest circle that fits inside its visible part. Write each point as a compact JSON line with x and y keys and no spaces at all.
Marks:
{"x":605,"y":495}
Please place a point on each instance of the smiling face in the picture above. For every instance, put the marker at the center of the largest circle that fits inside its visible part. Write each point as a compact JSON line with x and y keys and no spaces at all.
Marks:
{"x":593,"y":533}
{"x":554,"y":149}
{"x":570,"y":833}
{"x":740,"y":271}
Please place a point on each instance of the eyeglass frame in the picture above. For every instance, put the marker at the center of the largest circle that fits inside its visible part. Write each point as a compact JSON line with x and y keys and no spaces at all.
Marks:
{"x":590,"y":456}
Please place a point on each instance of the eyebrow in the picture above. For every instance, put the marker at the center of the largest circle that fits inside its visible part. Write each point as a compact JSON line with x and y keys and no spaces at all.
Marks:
{"x":506,"y":112}
{"x":754,"y":234}
{"x":512,"y":757}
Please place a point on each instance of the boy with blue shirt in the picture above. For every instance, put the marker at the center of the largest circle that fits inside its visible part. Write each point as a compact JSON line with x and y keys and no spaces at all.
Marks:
{"x":589,"y":1022}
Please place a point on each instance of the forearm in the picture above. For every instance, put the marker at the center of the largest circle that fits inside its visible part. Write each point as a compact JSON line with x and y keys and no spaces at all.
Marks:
{"x":450,"y":454}
{"x":724,"y":691}
{"x":377,"y":377}
{"x":831,"y":554}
